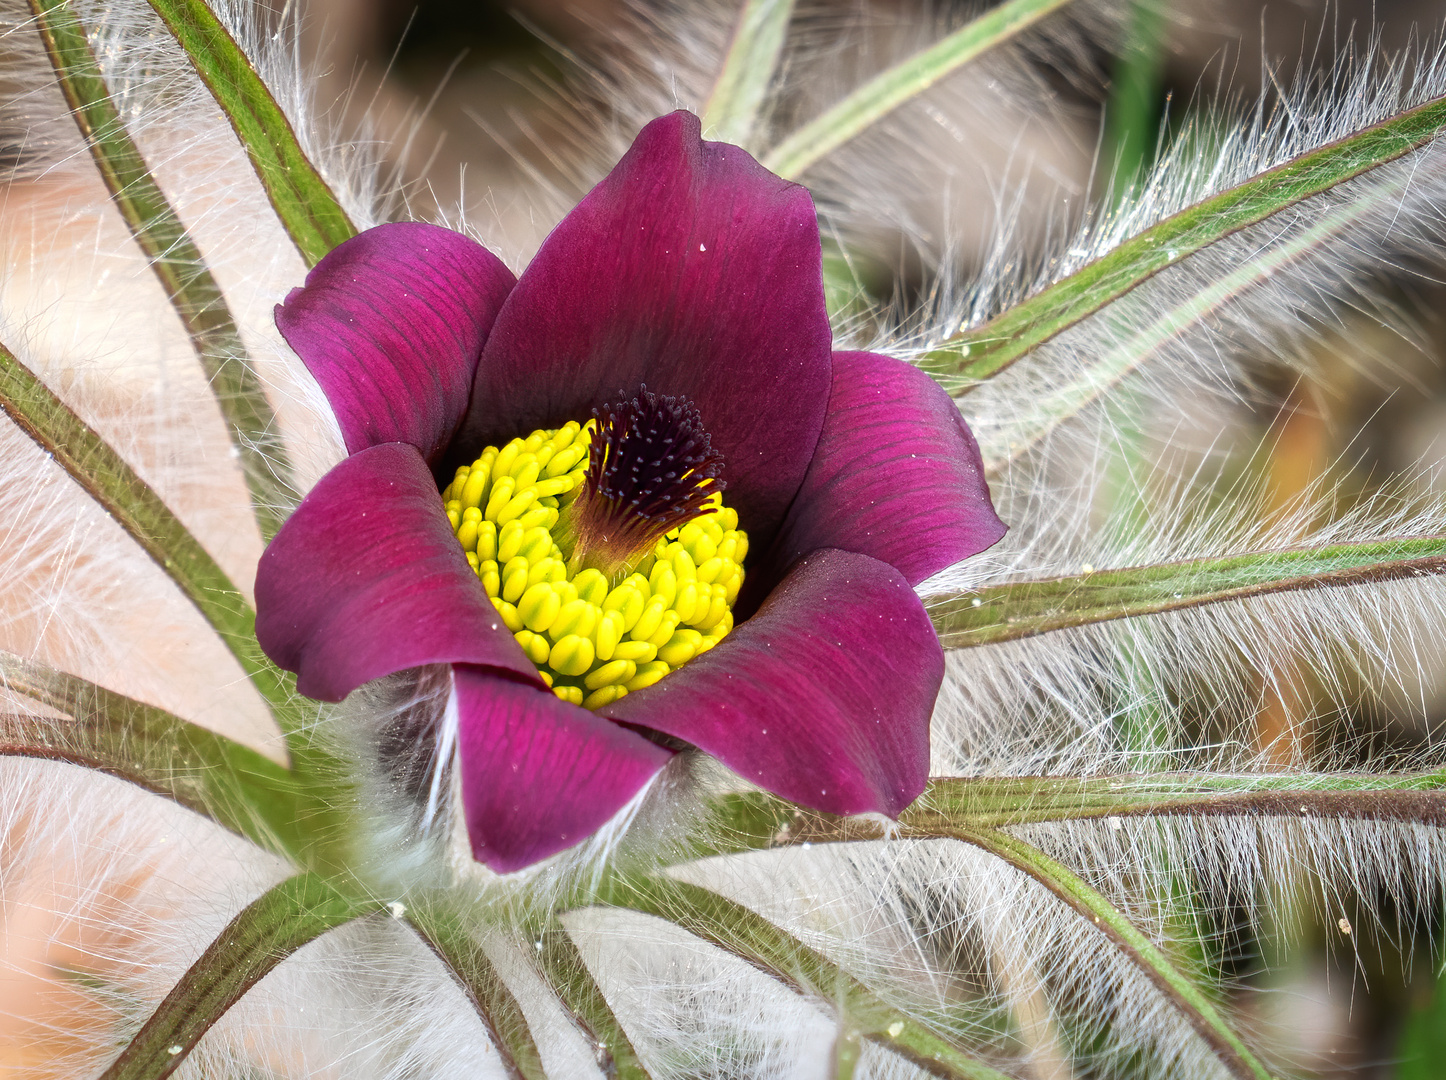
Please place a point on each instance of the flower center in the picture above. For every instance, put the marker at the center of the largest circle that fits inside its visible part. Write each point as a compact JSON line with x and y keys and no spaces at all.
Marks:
{"x":605,"y":546}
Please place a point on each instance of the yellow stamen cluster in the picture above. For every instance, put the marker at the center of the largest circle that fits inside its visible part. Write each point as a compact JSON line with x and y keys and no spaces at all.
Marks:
{"x":592,"y":641}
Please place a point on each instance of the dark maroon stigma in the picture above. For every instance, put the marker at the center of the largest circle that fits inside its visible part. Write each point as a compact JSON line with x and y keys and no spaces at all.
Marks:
{"x":651,"y":467}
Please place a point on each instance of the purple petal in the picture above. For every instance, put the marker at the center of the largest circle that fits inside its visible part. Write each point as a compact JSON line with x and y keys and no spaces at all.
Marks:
{"x":823,"y":697}
{"x":540,"y":775}
{"x":692,"y":269}
{"x":897,"y":475}
{"x":391,"y":323}
{"x":366,"y":578}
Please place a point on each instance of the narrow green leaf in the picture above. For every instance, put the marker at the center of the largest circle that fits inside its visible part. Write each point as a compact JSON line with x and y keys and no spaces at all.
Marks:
{"x":1023,"y":609}
{"x":106,"y":477}
{"x":774,"y":951}
{"x":1132,"y":114}
{"x":303,"y":201}
{"x":566,"y":972}
{"x":885,"y":92}
{"x":266,"y":932}
{"x":1110,"y":921}
{"x":760,"y":820}
{"x":1104,"y":373}
{"x":732,"y":108}
{"x":175,"y":259}
{"x":986,"y":350}
{"x":232,"y":784}
{"x":437,"y":924}
{"x":987,"y":802}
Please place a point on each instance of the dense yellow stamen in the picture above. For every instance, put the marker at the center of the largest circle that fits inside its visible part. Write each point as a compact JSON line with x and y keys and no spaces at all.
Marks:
{"x":592,"y":641}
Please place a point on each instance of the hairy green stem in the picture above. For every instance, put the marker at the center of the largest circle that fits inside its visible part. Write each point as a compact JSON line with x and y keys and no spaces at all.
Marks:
{"x":733,"y":106}
{"x":176,"y":261}
{"x":984,"y":351}
{"x":885,"y":92}
{"x":1023,"y":609}
{"x":303,"y":201}
{"x":266,"y":932}
{"x":232,"y":784}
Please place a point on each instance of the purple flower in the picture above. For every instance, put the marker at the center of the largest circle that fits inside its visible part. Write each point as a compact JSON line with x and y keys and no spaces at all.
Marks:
{"x":681,"y":302}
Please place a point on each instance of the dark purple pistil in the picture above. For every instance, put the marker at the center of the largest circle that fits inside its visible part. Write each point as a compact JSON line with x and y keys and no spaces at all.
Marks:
{"x":651,"y":468}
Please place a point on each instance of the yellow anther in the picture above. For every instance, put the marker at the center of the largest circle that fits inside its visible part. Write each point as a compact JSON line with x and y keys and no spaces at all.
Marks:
{"x":539,"y":607}
{"x":663,"y":583}
{"x":475,"y":487}
{"x":525,"y":470}
{"x":639,"y":652}
{"x":605,"y":695}
{"x":547,"y":569}
{"x":502,"y":463}
{"x":732,"y":585}
{"x":711,"y":570}
{"x":537,"y":544}
{"x":665,"y":629}
{"x":686,"y":604}
{"x":537,"y":647}
{"x":514,"y":580}
{"x":539,"y":517}
{"x":559,"y":485}
{"x":609,"y":634}
{"x":564,"y":460}
{"x":684,"y":569}
{"x":501,"y":495}
{"x":681,"y":648}
{"x":572,"y":655}
{"x":487,"y":540}
{"x":615,"y":671}
{"x":627,"y":602}
{"x":717,"y":608}
{"x":515,"y":507}
{"x":648,"y":674}
{"x":510,"y":618}
{"x":700,"y":543}
{"x":577,"y":617}
{"x":491,"y":577}
{"x":652,"y":617}
{"x":592,"y":642}
{"x":564,"y":435}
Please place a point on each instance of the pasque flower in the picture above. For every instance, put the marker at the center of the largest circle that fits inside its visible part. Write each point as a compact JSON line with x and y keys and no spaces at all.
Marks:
{"x":654,"y":399}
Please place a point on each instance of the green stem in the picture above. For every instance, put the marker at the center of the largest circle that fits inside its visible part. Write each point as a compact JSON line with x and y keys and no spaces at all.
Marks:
{"x":267,"y":931}
{"x":232,"y":784}
{"x":566,"y":972}
{"x":737,"y":97}
{"x":780,"y":955}
{"x":438,"y":925}
{"x":885,"y":92}
{"x":760,"y":820}
{"x":303,"y":201}
{"x":105,"y":476}
{"x":984,"y":351}
{"x":1023,"y":609}
{"x":1132,"y":115}
{"x":176,"y":261}
{"x":1196,"y":1007}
